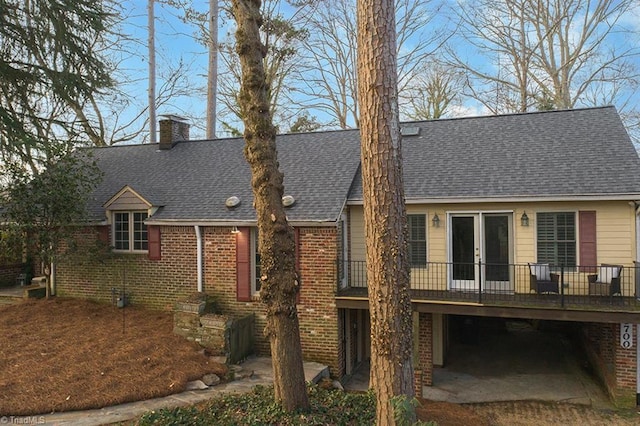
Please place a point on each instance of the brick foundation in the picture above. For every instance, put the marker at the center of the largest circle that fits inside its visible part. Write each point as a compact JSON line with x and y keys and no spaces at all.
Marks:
{"x":424,"y":367}
{"x":614,"y":365}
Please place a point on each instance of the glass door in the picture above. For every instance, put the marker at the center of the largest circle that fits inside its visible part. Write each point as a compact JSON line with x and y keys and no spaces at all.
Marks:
{"x":481,"y":238}
{"x":465,"y":252}
{"x":496,"y":253}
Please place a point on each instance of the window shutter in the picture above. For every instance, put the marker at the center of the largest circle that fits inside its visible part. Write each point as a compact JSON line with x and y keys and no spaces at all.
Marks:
{"x":103,"y":234}
{"x":243,"y":264}
{"x":588,"y":250}
{"x":297,"y":254}
{"x":153,"y":235}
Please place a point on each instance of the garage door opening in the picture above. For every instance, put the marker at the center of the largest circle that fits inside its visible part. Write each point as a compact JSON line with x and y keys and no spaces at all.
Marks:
{"x":498,"y":359}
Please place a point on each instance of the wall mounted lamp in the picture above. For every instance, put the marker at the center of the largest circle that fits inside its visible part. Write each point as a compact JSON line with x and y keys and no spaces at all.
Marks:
{"x":524,"y":220}
{"x":234,"y":230}
{"x":435,"y":221}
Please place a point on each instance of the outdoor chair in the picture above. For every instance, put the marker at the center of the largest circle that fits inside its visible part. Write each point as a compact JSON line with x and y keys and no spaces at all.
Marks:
{"x":541,"y":279}
{"x":606,"y":282}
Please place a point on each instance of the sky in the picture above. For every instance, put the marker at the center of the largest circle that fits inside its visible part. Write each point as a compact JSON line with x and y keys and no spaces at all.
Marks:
{"x":175,"y":45}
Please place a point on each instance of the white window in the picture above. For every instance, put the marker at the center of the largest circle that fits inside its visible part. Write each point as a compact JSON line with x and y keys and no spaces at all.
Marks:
{"x":130,"y":231}
{"x":557,"y":238}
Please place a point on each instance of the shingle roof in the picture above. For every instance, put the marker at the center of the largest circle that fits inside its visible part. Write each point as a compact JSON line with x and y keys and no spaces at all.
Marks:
{"x":194,"y":178}
{"x":555,"y":154}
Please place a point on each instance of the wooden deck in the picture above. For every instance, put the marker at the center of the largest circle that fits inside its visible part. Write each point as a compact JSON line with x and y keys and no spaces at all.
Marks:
{"x":537,"y":306}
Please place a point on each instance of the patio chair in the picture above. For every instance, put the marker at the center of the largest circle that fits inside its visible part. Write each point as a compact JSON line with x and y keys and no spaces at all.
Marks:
{"x":606,"y":282}
{"x":541,"y":279}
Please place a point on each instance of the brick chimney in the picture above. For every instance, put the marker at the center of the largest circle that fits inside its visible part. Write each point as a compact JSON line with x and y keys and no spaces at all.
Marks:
{"x":173,"y":129}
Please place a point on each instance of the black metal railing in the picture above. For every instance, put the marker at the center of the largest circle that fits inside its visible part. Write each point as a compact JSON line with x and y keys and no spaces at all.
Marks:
{"x":602,"y":286}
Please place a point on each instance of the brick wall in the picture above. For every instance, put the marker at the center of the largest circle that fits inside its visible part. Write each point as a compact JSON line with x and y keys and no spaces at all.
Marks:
{"x":160,"y":283}
{"x":9,"y":273}
{"x":152,"y":283}
{"x":625,"y":369}
{"x":614,"y":365}
{"x":424,"y":377}
{"x":317,"y":309}
{"x":317,"y":312}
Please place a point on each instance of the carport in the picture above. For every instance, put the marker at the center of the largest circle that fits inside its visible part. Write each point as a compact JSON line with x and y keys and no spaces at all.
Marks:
{"x":508,"y":359}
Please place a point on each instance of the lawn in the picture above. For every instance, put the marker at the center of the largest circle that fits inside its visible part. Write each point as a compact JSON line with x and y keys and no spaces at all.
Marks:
{"x":70,"y":354}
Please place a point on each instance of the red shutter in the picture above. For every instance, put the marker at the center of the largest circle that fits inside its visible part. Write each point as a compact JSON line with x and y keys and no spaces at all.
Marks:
{"x":243,"y":264}
{"x":103,"y":234}
{"x":153,"y":235}
{"x":296,"y":233}
{"x":588,"y":251}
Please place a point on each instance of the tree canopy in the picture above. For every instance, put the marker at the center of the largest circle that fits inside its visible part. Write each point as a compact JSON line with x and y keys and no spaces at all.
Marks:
{"x":50,"y":68}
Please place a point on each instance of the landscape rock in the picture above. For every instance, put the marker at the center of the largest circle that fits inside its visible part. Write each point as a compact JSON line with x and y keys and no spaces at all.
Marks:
{"x":210,"y":379}
{"x":337,"y":385}
{"x":196,"y":385}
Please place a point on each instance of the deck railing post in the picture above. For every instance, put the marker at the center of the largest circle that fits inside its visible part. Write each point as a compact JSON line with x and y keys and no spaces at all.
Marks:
{"x":562,"y":286}
{"x":480,"y":281}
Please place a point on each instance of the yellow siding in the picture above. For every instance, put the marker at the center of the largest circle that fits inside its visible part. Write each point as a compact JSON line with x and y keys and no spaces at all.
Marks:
{"x":615,"y":223}
{"x":356,"y":229}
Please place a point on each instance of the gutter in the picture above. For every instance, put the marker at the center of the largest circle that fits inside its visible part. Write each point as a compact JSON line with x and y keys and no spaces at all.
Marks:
{"x":244,"y":223}
{"x":511,"y":199}
{"x":199,"y":257}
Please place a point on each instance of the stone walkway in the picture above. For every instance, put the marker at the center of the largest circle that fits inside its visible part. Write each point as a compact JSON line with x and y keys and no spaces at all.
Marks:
{"x":262,"y":375}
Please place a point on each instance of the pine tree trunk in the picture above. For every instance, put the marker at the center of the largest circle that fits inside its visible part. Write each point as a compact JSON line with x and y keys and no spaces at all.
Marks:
{"x":212,"y":70}
{"x":384,"y":209}
{"x":276,"y":237}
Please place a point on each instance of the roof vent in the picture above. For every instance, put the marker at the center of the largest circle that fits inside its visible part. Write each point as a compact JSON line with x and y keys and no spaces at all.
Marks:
{"x":288,"y":201}
{"x":410,"y":131}
{"x":232,"y":201}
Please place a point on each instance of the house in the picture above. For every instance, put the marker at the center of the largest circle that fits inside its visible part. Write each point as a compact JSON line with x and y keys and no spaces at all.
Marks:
{"x":530,"y":216}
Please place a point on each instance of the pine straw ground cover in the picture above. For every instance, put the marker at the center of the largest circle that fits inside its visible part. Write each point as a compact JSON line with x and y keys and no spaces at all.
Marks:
{"x":70,"y":354}
{"x":63,"y":354}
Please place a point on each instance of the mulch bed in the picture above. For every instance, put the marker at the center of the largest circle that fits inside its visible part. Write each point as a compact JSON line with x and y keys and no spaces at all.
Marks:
{"x":70,"y":354}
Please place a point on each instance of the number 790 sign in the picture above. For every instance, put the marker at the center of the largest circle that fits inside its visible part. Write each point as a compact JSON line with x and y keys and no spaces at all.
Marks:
{"x":626,"y":335}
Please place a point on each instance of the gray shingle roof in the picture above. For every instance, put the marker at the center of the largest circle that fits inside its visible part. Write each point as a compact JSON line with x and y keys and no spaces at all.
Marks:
{"x":555,"y":154}
{"x":193,"y":179}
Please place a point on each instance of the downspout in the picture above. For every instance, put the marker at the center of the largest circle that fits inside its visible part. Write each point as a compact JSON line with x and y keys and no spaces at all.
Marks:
{"x":52,"y":277}
{"x":199,"y":257}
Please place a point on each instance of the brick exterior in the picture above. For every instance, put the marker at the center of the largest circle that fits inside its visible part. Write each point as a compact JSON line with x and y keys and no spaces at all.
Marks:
{"x":424,"y":367}
{"x":614,"y":365}
{"x":160,"y":283}
{"x":9,"y":274}
{"x":152,"y":283}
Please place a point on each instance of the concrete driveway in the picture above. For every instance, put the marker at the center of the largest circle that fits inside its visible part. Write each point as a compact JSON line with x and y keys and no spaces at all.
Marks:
{"x":508,"y":360}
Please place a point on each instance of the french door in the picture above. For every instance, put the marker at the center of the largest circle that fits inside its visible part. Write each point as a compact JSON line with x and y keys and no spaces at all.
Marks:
{"x":480,"y":251}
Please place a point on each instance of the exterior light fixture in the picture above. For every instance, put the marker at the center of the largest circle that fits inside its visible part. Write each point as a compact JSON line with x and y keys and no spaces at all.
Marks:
{"x":524,"y":220}
{"x":234,"y":230}
{"x":435,"y":221}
